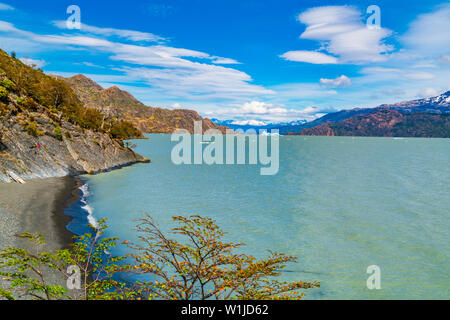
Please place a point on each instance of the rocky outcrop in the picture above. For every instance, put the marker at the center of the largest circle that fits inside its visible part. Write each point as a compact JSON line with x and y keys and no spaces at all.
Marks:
{"x":76,"y":151}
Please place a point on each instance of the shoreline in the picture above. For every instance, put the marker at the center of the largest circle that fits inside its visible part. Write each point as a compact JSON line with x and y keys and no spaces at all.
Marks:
{"x":37,"y":207}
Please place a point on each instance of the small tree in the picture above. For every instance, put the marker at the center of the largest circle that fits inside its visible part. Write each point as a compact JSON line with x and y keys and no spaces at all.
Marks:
{"x":88,"y":255}
{"x":28,"y":276}
{"x":202,"y":266}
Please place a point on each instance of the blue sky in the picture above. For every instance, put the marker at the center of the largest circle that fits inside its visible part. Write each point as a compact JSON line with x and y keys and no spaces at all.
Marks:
{"x":243,"y":60}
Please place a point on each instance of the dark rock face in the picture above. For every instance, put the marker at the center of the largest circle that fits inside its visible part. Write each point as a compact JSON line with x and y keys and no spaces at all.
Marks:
{"x":77,"y":151}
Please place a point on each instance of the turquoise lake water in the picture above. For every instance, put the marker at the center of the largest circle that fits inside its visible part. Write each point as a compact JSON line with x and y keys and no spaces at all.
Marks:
{"x":338,"y":204}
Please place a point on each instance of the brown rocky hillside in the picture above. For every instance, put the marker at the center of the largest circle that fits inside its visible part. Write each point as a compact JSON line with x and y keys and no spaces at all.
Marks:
{"x":123,"y":105}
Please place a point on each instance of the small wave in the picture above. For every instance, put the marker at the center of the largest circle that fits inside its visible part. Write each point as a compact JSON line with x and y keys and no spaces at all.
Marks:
{"x":86,"y":207}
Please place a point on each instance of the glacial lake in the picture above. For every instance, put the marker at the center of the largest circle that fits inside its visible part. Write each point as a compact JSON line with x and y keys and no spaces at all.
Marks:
{"x":340,"y":204}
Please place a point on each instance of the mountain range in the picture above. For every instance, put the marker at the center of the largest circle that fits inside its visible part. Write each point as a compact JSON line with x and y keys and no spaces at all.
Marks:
{"x":416,"y":118}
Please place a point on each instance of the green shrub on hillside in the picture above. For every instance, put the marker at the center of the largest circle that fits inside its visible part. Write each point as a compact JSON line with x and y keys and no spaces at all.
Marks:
{"x":33,"y":130}
{"x":58,"y":133}
{"x":124,"y":130}
{"x":8,"y":84}
{"x":3,"y":94}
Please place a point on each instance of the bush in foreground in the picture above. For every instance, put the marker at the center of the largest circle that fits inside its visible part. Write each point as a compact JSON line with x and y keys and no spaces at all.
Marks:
{"x":198,"y":266}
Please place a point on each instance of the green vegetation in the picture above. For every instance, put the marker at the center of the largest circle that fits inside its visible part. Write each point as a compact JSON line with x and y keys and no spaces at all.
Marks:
{"x":124,"y":129}
{"x":33,"y":130}
{"x":56,"y":97}
{"x":87,"y":255}
{"x":58,"y":133}
{"x":3,"y":94}
{"x":8,"y":84}
{"x":198,"y":265}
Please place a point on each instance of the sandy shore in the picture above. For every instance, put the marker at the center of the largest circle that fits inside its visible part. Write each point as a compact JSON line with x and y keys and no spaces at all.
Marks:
{"x":36,"y":207}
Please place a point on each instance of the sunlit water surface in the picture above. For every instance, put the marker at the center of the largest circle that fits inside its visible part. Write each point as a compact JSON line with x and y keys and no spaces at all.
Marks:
{"x":338,"y":204}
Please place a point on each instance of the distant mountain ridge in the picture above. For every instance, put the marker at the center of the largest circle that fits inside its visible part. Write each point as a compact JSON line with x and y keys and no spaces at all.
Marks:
{"x":439,"y":105}
{"x":237,"y":125}
{"x":121,"y":104}
{"x":386,"y":122}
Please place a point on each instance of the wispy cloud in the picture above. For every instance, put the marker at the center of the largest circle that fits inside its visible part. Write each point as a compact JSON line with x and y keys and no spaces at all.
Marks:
{"x":4,"y":6}
{"x":428,"y":34}
{"x":131,"y":35}
{"x":166,"y":68}
{"x":309,"y":57}
{"x":220,"y":60}
{"x":33,"y":62}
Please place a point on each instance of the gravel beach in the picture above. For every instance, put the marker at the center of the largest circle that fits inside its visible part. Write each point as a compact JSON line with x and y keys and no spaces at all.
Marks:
{"x":36,"y":207}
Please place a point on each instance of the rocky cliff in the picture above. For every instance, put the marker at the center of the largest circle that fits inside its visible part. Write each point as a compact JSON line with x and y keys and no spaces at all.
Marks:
{"x":76,"y":152}
{"x":45,"y":131}
{"x":123,"y":105}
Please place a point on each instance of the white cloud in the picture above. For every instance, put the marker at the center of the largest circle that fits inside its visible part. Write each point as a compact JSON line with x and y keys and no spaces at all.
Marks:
{"x":220,"y":60}
{"x":162,"y":67}
{"x":427,"y":92}
{"x":359,"y":46}
{"x":309,"y":57}
{"x":419,"y":76}
{"x":325,"y":22}
{"x":340,"y":82}
{"x":7,"y":27}
{"x":255,"y":123}
{"x":32,"y":62}
{"x":92,"y":65}
{"x":429,"y":32}
{"x":445,"y":59}
{"x":262,"y":111}
{"x":121,"y":33}
{"x":5,"y":7}
{"x":343,"y":34}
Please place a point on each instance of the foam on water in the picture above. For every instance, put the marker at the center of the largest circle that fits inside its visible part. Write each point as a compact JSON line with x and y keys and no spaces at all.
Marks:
{"x":86,"y":207}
